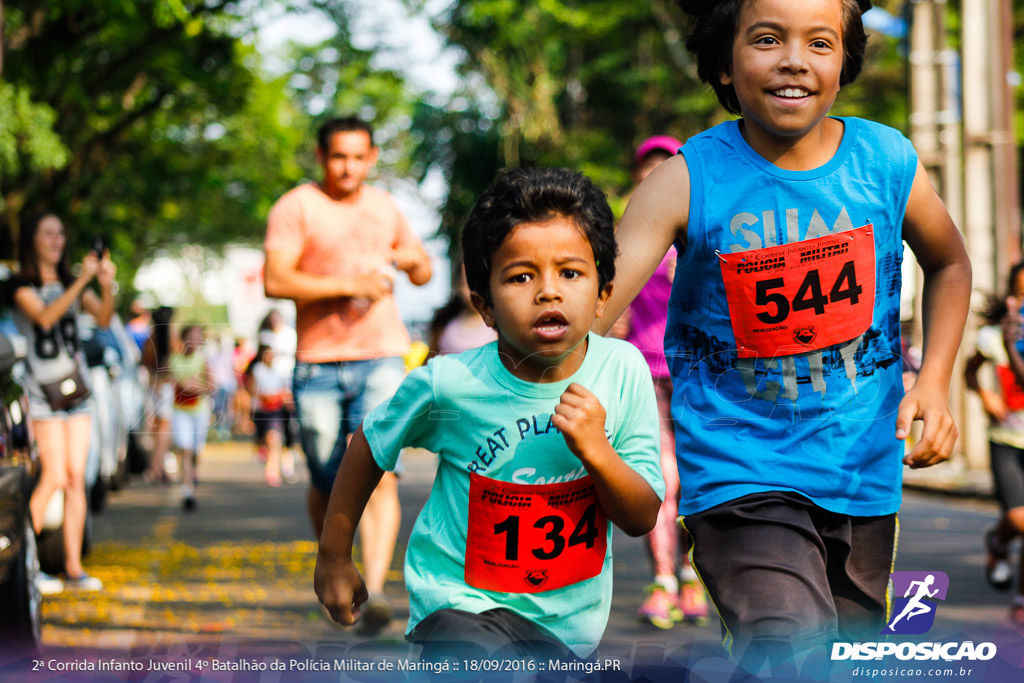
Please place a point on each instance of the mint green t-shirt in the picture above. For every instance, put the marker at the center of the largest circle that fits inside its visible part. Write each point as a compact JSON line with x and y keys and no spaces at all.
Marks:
{"x":478,"y":417}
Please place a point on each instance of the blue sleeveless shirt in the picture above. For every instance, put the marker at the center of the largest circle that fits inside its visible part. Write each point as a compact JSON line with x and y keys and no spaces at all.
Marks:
{"x":822,"y":422}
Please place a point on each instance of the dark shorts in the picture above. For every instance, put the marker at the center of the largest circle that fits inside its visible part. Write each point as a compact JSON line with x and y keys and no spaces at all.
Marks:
{"x":455,"y":633}
{"x":1008,"y":474}
{"x":787,"y":574}
{"x":269,"y":421}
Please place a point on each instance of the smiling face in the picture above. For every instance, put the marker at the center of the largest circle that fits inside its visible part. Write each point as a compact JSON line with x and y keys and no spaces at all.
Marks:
{"x":787,"y":58}
{"x":545,"y":296}
{"x":49,"y":241}
{"x":346,"y":162}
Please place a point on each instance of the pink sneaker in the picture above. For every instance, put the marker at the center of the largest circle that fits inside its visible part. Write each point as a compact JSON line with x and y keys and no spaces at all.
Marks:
{"x":659,"y":608}
{"x":693,"y":603}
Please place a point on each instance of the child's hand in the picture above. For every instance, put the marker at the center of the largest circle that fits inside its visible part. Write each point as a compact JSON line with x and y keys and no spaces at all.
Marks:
{"x":580,"y":417}
{"x":406,"y":258}
{"x":339,"y":587}
{"x":940,"y":432}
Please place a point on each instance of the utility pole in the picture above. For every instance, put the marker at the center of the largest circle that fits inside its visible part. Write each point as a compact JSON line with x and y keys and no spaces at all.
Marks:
{"x":991,"y":206}
{"x":935,"y":121}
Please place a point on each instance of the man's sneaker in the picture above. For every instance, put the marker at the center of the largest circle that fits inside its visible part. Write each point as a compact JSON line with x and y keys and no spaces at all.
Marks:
{"x":49,"y":585}
{"x":998,"y":570}
{"x":659,"y":608}
{"x":376,"y":614}
{"x":83,"y":582}
{"x":693,"y":602}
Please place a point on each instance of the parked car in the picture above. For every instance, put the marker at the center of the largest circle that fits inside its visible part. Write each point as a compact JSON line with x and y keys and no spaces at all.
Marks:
{"x":20,"y":600}
{"x":118,"y":407}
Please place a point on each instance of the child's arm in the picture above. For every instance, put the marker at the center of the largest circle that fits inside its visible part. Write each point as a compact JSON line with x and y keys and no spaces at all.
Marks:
{"x":939,"y":249}
{"x":991,"y":401}
{"x":337,"y":582}
{"x":657,"y":214}
{"x":625,"y":497}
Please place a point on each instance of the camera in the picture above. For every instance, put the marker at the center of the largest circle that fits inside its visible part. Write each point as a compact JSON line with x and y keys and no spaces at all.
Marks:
{"x":99,"y":245}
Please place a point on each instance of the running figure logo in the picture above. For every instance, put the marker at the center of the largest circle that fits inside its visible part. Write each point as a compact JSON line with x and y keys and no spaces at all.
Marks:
{"x":914,"y":613}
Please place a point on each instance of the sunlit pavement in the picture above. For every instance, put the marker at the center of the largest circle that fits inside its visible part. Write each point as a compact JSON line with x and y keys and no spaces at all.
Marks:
{"x":240,"y":566}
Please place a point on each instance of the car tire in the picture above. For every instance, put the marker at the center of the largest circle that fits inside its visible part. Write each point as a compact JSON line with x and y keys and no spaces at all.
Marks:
{"x":50,"y":545}
{"x":22,"y":624}
{"x":138,"y":456}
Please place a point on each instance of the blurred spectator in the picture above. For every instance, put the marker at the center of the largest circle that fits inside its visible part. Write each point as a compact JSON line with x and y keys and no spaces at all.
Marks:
{"x":222,"y":374}
{"x":457,"y":326}
{"x":138,"y":326}
{"x":270,"y":393}
{"x":191,"y":418}
{"x":47,"y":298}
{"x":283,"y":341}
{"x":156,"y":356}
{"x":241,"y":356}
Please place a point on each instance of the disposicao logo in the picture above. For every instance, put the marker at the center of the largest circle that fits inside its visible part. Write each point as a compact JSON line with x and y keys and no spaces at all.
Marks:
{"x":914,"y":612}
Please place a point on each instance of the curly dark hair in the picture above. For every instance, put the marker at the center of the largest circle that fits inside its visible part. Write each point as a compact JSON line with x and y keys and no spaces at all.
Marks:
{"x":535,"y":195}
{"x":713,"y":29}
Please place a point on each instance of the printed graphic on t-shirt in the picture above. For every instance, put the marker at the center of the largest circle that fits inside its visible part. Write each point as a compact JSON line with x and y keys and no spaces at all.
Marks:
{"x":801,"y":297}
{"x":526,"y":538}
{"x":776,"y":375}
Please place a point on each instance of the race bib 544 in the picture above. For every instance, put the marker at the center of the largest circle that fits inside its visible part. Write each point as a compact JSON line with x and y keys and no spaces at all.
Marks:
{"x":803,"y":296}
{"x":526,"y":538}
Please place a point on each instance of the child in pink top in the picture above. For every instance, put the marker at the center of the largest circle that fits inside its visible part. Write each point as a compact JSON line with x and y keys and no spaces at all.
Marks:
{"x":675,"y":594}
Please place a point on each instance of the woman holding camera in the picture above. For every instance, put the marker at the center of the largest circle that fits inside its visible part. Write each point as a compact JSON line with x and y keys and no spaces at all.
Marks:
{"x":47,"y":298}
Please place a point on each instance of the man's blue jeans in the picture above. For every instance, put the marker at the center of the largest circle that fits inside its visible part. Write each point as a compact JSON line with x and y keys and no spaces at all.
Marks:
{"x":331,"y":400}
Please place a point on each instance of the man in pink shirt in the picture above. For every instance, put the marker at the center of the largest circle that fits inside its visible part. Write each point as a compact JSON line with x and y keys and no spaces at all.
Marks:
{"x":335,"y":247}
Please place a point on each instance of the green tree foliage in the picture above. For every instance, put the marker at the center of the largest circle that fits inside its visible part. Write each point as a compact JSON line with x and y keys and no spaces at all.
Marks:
{"x":168,"y":132}
{"x":579,"y":83}
{"x":27,"y":139}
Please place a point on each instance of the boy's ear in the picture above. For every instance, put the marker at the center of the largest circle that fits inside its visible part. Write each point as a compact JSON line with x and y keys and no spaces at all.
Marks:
{"x":602,"y":299}
{"x":483,"y":308}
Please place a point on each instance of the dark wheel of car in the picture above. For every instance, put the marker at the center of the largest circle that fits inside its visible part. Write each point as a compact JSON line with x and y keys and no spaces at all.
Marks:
{"x":138,"y":455}
{"x":20,"y":598}
{"x":51,"y":550}
{"x":51,"y":545}
{"x":98,"y":494}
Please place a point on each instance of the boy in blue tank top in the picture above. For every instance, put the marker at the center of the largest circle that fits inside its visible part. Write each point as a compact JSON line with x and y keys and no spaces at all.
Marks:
{"x":543,"y":437}
{"x":783,"y":335}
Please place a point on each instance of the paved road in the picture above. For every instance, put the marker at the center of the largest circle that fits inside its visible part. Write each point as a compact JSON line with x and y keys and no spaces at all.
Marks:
{"x":234,"y":577}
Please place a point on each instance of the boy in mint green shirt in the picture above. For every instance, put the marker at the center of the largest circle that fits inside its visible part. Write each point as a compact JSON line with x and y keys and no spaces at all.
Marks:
{"x":543,"y":437}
